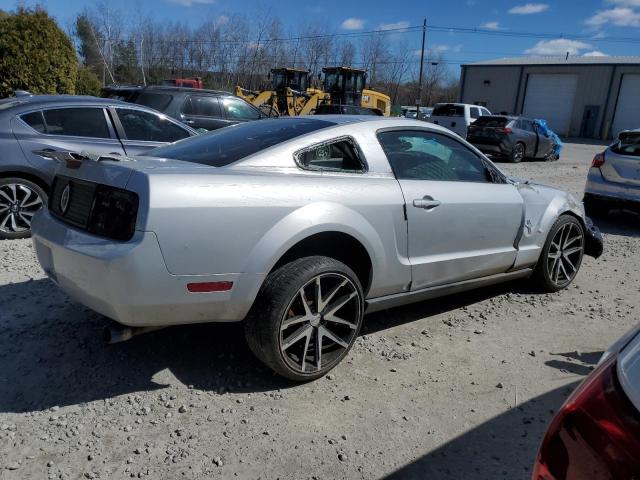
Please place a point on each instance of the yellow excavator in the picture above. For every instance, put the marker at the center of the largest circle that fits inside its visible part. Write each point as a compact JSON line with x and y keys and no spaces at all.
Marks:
{"x":346,"y":85}
{"x":291,"y":94}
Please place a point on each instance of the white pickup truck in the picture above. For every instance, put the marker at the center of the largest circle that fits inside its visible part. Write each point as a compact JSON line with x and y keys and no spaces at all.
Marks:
{"x":457,"y":116}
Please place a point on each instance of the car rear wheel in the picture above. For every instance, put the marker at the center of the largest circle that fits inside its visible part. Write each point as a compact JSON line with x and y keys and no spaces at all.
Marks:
{"x":20,"y":199}
{"x":561,"y":255}
{"x":306,"y":317}
{"x":517,"y":154}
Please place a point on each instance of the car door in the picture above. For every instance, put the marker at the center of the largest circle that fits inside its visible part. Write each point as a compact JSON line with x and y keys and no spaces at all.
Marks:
{"x":527,"y":134}
{"x":544,"y":144}
{"x":75,"y":129}
{"x":142,"y":130}
{"x":463,"y":217}
{"x":203,"y":111}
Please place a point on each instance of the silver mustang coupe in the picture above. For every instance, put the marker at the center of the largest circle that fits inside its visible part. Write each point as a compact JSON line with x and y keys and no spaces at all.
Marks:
{"x":298,"y":227}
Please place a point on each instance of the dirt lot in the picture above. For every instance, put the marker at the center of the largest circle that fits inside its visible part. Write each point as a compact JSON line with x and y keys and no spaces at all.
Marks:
{"x":461,"y":387}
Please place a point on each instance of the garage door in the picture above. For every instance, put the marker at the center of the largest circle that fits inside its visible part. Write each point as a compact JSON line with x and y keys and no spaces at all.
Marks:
{"x":550,"y":97}
{"x":628,"y":107}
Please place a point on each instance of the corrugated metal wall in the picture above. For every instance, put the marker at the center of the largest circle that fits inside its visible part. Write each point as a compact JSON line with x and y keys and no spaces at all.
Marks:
{"x":503,"y":89}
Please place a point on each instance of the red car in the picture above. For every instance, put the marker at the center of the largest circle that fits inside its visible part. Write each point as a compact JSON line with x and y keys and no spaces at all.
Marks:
{"x":596,"y":434}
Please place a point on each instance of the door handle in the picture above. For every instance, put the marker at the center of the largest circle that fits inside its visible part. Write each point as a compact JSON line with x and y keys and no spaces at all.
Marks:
{"x":189,"y":122}
{"x":427,"y":202}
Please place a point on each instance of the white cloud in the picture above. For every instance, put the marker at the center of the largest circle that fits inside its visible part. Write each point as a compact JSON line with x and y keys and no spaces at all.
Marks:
{"x":619,"y":16}
{"x":491,"y":26}
{"x":625,"y":3}
{"x":393,"y":26}
{"x":559,"y":46}
{"x":595,"y":53}
{"x":352,"y":24}
{"x":190,"y":3}
{"x":529,"y":8}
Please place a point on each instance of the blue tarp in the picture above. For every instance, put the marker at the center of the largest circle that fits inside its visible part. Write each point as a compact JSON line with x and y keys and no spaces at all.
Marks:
{"x":544,"y":129}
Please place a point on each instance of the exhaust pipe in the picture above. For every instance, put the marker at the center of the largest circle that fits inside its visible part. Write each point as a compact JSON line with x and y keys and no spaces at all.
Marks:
{"x":121,"y":333}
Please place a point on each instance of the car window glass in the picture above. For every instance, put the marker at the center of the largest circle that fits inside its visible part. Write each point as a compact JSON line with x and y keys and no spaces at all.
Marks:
{"x":340,"y":155}
{"x":35,"y":120}
{"x":157,"y":101}
{"x":76,"y":122}
{"x":628,"y":144}
{"x":201,"y":105}
{"x":239,"y":109}
{"x":448,"y":110}
{"x":484,"y":111}
{"x":491,"y":121}
{"x":423,"y":155}
{"x":526,"y":125}
{"x":149,"y":127}
{"x":227,"y":145}
{"x":474,"y":112}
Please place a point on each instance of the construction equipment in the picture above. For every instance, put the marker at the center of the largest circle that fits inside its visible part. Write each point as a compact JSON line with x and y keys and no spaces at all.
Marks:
{"x":195,"y":82}
{"x":346,"y":87}
{"x":291,"y":95}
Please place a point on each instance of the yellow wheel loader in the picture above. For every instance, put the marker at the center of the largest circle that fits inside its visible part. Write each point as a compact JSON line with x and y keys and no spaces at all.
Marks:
{"x":346,"y":87}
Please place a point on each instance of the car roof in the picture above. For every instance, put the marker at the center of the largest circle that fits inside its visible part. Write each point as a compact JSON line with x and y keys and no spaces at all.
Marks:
{"x":166,"y":88}
{"x":46,"y":100}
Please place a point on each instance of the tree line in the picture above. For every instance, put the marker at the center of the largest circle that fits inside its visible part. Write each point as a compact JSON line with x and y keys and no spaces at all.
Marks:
{"x":236,"y":49}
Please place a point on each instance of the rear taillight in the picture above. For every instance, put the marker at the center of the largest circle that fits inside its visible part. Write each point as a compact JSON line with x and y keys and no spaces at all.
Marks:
{"x":596,"y":434}
{"x":113,"y":213}
{"x":505,"y":130}
{"x":598,"y":160}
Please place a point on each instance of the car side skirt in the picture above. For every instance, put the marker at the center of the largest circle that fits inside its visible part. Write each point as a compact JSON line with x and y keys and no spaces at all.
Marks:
{"x":398,"y":299}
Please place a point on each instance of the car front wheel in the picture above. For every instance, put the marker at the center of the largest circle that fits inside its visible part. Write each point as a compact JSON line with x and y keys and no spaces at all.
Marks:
{"x":561,"y":255}
{"x":20,"y":199}
{"x":306,"y":317}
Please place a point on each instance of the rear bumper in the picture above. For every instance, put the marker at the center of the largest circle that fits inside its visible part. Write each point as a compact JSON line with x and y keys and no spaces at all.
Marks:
{"x":598,"y":186}
{"x":492,"y":149}
{"x":129,"y":281}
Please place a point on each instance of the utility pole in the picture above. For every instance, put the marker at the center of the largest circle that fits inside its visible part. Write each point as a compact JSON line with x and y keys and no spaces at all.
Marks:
{"x":419,"y":99}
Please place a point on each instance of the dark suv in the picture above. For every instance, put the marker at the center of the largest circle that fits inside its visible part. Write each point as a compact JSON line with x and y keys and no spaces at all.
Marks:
{"x":512,"y":137}
{"x":198,"y":108}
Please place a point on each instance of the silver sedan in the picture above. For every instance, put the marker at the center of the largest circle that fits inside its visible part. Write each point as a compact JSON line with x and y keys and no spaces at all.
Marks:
{"x":614,"y":176}
{"x":298,"y":227}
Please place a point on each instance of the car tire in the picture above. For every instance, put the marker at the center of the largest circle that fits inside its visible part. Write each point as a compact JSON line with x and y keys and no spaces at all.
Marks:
{"x":286,"y":332}
{"x":593,"y":207}
{"x":561,"y":255}
{"x":517,"y":153}
{"x":19,"y":200}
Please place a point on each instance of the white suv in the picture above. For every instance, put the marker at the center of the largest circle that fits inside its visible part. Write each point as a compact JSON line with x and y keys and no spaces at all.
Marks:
{"x":457,"y":116}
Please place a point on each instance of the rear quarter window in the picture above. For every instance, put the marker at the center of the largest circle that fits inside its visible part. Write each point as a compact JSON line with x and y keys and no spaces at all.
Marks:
{"x":157,"y":101}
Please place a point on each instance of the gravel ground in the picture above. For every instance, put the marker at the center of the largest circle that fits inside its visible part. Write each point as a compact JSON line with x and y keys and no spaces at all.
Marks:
{"x":460,"y":387}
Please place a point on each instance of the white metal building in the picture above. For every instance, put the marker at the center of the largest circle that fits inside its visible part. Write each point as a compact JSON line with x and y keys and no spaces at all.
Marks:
{"x":592,"y":97}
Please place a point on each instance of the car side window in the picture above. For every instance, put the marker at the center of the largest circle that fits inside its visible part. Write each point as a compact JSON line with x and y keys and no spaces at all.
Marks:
{"x":35,"y":120}
{"x":474,"y":112}
{"x":526,"y":125}
{"x":239,"y":109}
{"x":340,"y":155}
{"x":425,"y":155}
{"x":484,"y":111}
{"x":149,"y":127}
{"x":202,"y":105}
{"x":75,"y":122}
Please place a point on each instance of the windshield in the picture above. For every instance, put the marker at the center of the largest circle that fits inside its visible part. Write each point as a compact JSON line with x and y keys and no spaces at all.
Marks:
{"x":491,"y":121}
{"x":448,"y":110}
{"x":227,"y":145}
{"x":628,"y":144}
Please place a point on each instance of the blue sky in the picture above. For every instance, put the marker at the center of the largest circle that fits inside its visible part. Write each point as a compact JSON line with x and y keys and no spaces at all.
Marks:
{"x":603,"y":23}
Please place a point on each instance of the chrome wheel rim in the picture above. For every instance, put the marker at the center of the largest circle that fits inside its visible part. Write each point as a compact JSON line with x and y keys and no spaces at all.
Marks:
{"x":565,"y":254}
{"x":18,"y":204}
{"x":518,"y":153}
{"x":320,"y":323}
